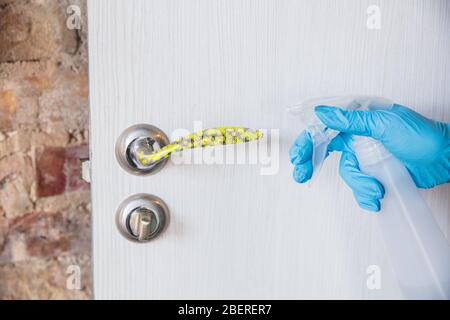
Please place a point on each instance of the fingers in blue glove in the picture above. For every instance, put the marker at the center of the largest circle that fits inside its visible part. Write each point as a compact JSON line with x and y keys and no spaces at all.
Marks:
{"x":303,"y":172}
{"x":301,"y":150}
{"x":367,"y":190}
{"x":363,"y":123}
{"x":300,"y":155}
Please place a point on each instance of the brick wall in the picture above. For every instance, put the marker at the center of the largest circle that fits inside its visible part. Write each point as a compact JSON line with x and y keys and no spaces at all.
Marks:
{"x":44,"y":205}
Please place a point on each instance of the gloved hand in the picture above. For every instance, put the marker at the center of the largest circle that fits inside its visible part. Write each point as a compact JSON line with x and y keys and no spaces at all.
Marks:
{"x":421,"y":144}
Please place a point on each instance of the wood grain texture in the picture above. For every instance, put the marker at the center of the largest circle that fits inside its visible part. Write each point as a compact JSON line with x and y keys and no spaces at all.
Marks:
{"x":233,"y":232}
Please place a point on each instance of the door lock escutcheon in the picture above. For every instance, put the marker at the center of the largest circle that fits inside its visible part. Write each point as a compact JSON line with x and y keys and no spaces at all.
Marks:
{"x":142,"y":217}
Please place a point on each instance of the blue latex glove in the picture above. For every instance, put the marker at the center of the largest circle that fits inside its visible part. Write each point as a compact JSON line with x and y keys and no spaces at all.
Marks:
{"x":421,"y":144}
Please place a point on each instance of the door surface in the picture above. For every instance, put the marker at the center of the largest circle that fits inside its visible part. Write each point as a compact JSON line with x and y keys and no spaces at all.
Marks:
{"x":248,"y":230}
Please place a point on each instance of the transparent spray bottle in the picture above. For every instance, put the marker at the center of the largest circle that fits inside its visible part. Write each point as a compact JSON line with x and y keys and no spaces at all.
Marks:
{"x":418,"y":250}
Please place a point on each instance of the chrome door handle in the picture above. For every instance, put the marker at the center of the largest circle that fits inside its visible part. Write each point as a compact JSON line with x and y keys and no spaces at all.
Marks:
{"x":144,"y":149}
{"x":138,"y":138}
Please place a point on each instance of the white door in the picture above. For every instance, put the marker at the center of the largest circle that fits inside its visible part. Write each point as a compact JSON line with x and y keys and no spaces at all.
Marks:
{"x":233,"y":231}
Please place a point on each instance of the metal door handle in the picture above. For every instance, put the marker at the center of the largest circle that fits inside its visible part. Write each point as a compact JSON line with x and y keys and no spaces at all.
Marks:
{"x":144,"y":149}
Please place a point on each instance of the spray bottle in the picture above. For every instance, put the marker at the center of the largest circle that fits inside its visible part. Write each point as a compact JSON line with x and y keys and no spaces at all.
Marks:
{"x":418,"y":250}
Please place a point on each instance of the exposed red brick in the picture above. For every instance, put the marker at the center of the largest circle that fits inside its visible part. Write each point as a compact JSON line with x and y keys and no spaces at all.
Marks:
{"x":51,"y":179}
{"x":22,"y":223}
{"x":8,"y":104}
{"x":42,"y":82}
{"x":8,"y":101}
{"x":72,"y":168}
{"x":3,"y":233}
{"x":38,"y":247}
{"x":45,"y":234}
{"x":44,"y":206}
{"x":44,"y":279}
{"x":81,"y":83}
{"x":59,"y":170}
{"x":27,"y":32}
